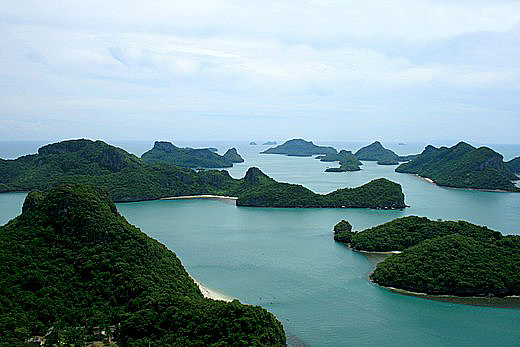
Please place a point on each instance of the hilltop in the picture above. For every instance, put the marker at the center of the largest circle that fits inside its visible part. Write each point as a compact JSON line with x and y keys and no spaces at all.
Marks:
{"x":463,"y":166}
{"x":376,"y":152}
{"x":71,"y":265}
{"x":299,"y":148}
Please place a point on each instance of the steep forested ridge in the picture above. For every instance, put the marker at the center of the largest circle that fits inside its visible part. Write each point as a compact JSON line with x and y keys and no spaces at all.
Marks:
{"x":462,"y":166}
{"x":71,"y":265}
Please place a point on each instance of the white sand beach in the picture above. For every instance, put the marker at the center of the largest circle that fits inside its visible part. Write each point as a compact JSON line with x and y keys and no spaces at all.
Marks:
{"x":212,"y":294}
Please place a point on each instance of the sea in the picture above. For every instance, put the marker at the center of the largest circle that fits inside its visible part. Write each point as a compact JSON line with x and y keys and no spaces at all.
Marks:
{"x":286,"y":261}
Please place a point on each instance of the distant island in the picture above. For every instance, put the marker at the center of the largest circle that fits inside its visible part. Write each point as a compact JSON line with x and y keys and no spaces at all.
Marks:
{"x":73,"y":270}
{"x":232,"y":156}
{"x":299,"y":148}
{"x":270,"y":143}
{"x":166,"y":152}
{"x":464,"y":166}
{"x":252,"y":143}
{"x":347,"y":161}
{"x":129,"y":178}
{"x":376,"y":152}
{"x":440,"y":257}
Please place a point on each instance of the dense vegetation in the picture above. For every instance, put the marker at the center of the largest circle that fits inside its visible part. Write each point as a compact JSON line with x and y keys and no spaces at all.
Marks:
{"x":457,"y":265}
{"x":343,"y":232}
{"x":376,"y":152}
{"x":405,"y":232}
{"x":347,"y":161}
{"x":232,"y":156}
{"x":166,"y":152}
{"x":128,"y":178}
{"x":462,"y":166}
{"x":514,"y":165}
{"x":258,"y":189}
{"x":299,"y":148}
{"x":71,"y":265}
{"x":440,"y":257}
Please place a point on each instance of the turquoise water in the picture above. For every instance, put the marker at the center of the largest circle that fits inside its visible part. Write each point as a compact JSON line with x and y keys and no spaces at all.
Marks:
{"x":285,"y":259}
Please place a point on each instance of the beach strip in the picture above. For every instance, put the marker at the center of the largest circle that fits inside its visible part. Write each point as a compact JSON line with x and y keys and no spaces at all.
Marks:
{"x":212,"y":294}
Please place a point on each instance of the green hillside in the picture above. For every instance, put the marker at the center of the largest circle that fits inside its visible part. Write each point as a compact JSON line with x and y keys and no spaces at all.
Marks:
{"x":462,"y":166}
{"x":299,"y":148}
{"x":71,"y":265}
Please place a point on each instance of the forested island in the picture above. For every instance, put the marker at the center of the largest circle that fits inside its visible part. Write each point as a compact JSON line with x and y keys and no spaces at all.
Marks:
{"x":383,"y":156}
{"x":128,"y":178}
{"x":440,"y":257}
{"x":71,"y":266}
{"x":299,"y":148}
{"x":166,"y":152}
{"x":514,"y":165}
{"x":463,"y":166}
{"x":347,"y":161}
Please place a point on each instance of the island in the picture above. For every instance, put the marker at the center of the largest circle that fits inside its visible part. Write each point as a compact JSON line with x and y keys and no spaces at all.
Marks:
{"x":73,"y":270}
{"x":376,"y":152}
{"x":128,"y":178}
{"x":463,"y":166}
{"x":299,"y":148}
{"x":232,"y":156}
{"x":347,"y":161}
{"x":270,"y":143}
{"x":514,"y":165}
{"x":441,"y":257}
{"x":252,"y":143}
{"x":166,"y":152}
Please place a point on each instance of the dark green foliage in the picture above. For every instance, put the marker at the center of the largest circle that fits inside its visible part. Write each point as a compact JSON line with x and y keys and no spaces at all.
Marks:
{"x":127,"y":178}
{"x":166,"y":152}
{"x":514,"y":165}
{"x":347,"y":161}
{"x":376,"y":152}
{"x":232,"y":156}
{"x":457,"y":265}
{"x":71,"y":262}
{"x":299,"y":148}
{"x":405,"y":232}
{"x":462,"y":166}
{"x":257,"y":189}
{"x":343,"y":232}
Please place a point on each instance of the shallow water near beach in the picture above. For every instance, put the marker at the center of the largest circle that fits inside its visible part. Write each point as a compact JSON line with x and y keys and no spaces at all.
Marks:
{"x":286,"y":261}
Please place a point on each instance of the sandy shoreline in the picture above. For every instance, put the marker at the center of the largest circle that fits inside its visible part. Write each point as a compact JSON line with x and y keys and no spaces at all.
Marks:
{"x":212,"y":294}
{"x":203,"y":196}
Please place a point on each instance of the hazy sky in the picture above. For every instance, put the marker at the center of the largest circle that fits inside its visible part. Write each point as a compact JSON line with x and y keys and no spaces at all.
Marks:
{"x":255,"y":70}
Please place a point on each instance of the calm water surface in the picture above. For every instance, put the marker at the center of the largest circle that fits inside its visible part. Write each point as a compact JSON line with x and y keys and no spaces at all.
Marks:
{"x":285,"y":259}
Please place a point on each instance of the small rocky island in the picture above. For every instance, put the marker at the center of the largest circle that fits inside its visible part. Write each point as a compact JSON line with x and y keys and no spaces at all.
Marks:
{"x":166,"y":152}
{"x":464,"y":166}
{"x":71,"y":266}
{"x":270,"y":143}
{"x":347,"y":161}
{"x":299,"y":148}
{"x":440,"y":257}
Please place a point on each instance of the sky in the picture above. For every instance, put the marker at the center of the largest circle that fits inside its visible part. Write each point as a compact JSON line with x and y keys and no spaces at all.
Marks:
{"x":260,"y":70}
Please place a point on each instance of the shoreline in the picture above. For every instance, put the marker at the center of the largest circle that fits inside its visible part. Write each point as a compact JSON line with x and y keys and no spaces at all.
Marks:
{"x":212,"y":294}
{"x":202,"y":196}
{"x":463,"y":188}
{"x":511,"y":301}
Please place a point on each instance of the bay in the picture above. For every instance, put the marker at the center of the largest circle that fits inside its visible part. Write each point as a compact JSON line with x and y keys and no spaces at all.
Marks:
{"x":286,"y":261}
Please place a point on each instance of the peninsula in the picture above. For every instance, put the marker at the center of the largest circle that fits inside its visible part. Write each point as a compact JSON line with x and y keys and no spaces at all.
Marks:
{"x":128,"y":178}
{"x":440,"y":257}
{"x":72,"y":266}
{"x":463,"y":166}
{"x":299,"y":148}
